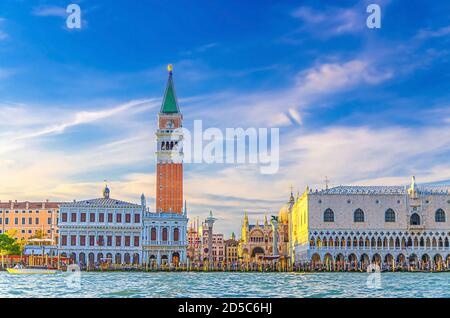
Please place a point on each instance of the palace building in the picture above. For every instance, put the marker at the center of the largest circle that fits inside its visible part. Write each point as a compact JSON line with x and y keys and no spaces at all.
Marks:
{"x":102,"y":230}
{"x":372,"y":224}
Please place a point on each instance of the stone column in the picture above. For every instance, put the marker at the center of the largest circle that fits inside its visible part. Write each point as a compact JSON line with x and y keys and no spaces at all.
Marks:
{"x":274,"y":222}
{"x":210,"y":223}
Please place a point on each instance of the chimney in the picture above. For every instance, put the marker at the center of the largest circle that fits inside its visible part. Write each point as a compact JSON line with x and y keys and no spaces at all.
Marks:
{"x":27,"y":205}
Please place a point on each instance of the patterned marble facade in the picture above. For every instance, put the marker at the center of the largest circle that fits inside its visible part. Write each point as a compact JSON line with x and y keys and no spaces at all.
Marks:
{"x":372,"y":224}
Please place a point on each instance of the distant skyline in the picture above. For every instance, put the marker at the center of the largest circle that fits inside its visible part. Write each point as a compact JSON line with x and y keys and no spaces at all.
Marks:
{"x":358,"y":106}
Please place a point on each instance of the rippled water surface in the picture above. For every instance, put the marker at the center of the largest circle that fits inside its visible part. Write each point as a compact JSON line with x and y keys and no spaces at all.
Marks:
{"x":122,"y":284}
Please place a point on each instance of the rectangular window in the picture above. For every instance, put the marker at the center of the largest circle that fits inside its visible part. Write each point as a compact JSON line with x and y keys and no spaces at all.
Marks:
{"x":92,"y":217}
{"x":136,"y":241}
{"x":83,"y":217}
{"x":109,"y":240}
{"x":30,"y":221}
{"x":118,"y":240}
{"x":101,"y":240}
{"x":7,"y":221}
{"x":110,"y":217}
{"x":91,"y":240}
{"x":49,"y":221}
{"x":127,"y":241}
{"x":64,"y":217}
{"x":119,"y":218}
{"x":37,"y":221}
{"x":82,"y":240}
{"x":137,"y":218}
{"x":23,"y":221}
{"x":73,"y":217}
{"x":1,"y":221}
{"x":63,"y":240}
{"x":73,"y":240}
{"x":127,"y":218}
{"x":16,"y":221}
{"x":101,"y":217}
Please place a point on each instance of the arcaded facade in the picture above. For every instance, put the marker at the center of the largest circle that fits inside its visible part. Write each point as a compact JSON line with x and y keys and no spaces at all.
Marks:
{"x":372,"y":224}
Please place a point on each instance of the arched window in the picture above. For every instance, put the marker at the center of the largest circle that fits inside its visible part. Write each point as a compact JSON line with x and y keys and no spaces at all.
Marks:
{"x":439,"y":216}
{"x":389,"y":216}
{"x":328,"y":215}
{"x":164,"y":234}
{"x":358,"y":216}
{"x":415,"y":219}
{"x":176,"y":233}
{"x":153,"y":234}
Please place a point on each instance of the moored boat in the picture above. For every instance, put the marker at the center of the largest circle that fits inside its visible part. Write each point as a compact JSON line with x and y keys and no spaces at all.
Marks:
{"x":31,"y":271}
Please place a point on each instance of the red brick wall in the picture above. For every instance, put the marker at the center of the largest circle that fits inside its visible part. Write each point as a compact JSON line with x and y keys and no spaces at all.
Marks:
{"x":169,"y":187}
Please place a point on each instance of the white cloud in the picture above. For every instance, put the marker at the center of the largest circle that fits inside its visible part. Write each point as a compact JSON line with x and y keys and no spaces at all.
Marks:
{"x":3,"y":34}
{"x":328,"y":78}
{"x":275,"y":108}
{"x":330,"y":22}
{"x":436,"y":33}
{"x":49,"y":11}
{"x":86,"y":117}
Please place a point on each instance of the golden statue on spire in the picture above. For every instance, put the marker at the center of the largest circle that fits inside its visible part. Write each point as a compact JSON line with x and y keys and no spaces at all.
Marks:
{"x":170,"y":68}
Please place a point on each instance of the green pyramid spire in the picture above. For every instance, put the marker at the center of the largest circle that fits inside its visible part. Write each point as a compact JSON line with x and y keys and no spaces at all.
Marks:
{"x":170,"y":104}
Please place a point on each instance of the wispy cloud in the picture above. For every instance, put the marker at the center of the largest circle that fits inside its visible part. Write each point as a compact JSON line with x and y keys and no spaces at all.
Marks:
{"x":326,"y":23}
{"x":86,"y":117}
{"x":49,"y":11}
{"x":3,"y":34}
{"x":433,"y":33}
{"x":275,"y":108}
{"x":201,"y":49}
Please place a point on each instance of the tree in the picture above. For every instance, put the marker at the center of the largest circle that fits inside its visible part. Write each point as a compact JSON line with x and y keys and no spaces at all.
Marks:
{"x":39,"y":234}
{"x":9,"y":246}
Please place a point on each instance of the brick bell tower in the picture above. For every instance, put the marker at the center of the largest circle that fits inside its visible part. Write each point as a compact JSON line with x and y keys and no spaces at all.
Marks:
{"x":169,"y":170}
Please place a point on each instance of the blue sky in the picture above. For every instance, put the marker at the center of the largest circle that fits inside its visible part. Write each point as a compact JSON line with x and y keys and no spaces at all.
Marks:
{"x":357,"y":105}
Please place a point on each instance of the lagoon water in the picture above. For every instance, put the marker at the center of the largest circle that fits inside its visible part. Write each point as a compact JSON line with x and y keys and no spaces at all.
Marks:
{"x":161,"y":284}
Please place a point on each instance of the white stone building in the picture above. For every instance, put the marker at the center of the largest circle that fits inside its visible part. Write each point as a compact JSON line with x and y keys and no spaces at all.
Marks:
{"x":164,"y":238}
{"x":373,"y":224}
{"x":101,"y":230}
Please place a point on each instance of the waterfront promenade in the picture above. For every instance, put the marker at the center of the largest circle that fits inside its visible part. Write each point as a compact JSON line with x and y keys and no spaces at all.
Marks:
{"x":257,"y":267}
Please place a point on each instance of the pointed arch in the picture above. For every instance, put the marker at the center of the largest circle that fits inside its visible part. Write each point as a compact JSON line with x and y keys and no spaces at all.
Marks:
{"x":414,"y":219}
{"x":439,"y":216}
{"x":389,"y":216}
{"x":358,"y":216}
{"x":328,"y":215}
